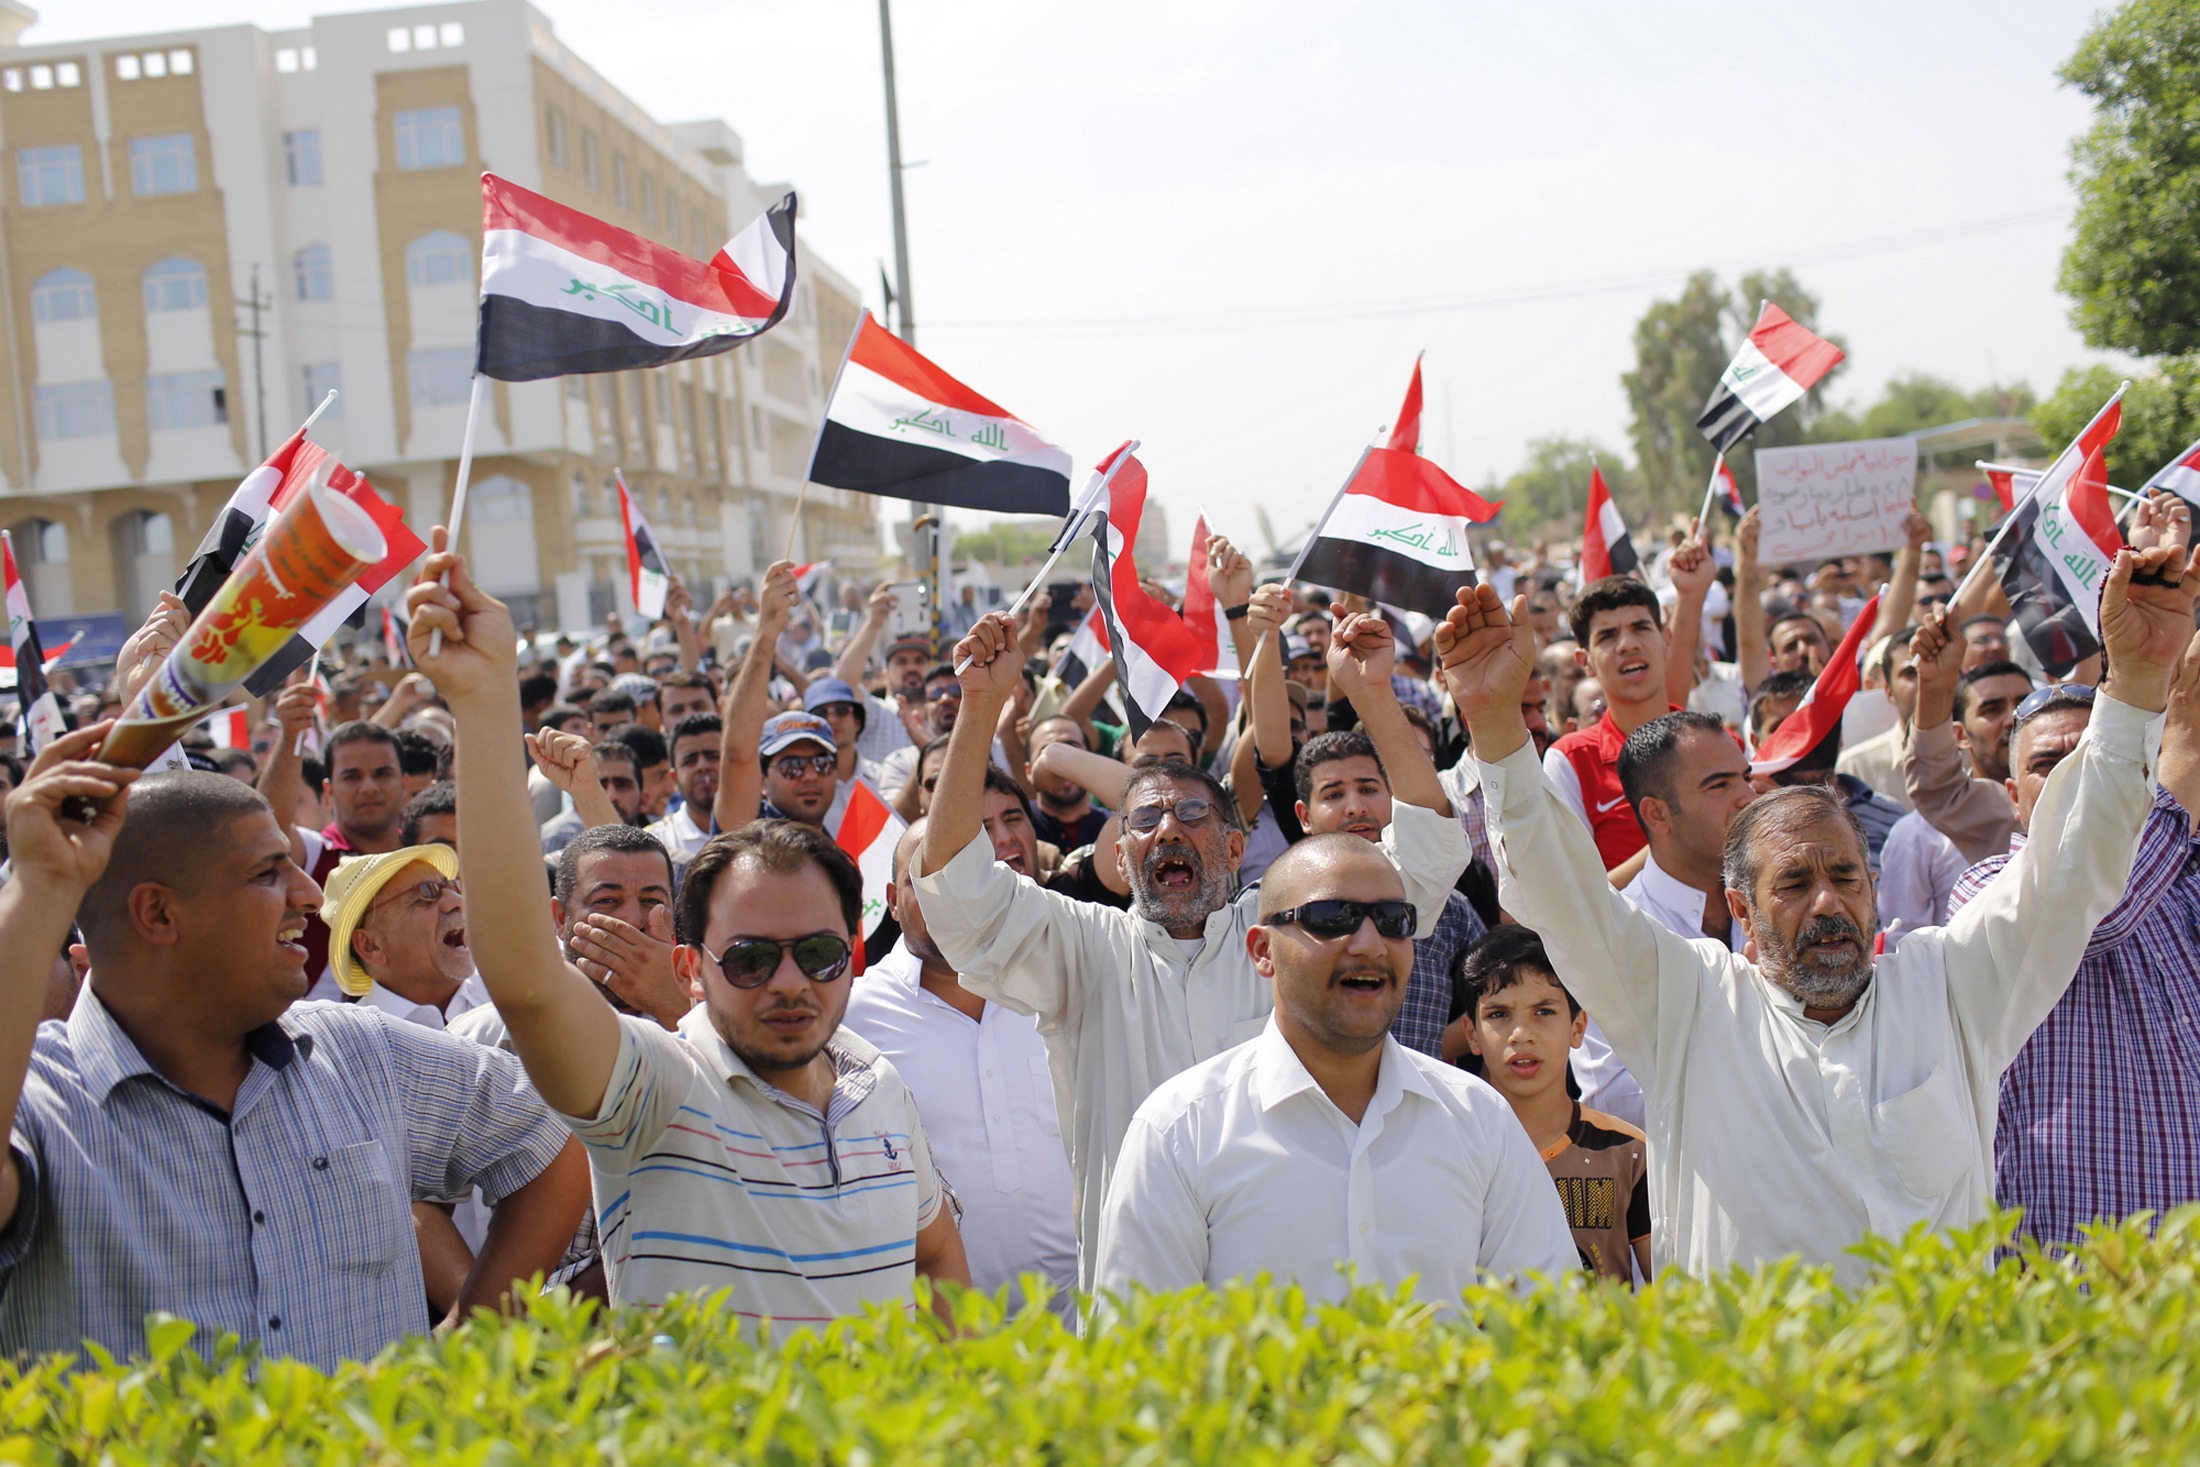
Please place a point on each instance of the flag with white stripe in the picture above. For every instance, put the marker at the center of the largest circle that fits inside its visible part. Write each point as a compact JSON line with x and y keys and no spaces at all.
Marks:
{"x":1780,"y":360}
{"x":2056,"y":554}
{"x":2180,"y":476}
{"x":403,"y":548}
{"x":1725,"y":493}
{"x":648,"y":576}
{"x":563,"y":292}
{"x":1819,"y":714}
{"x":1398,"y":534}
{"x":1154,"y":651}
{"x":1606,"y":547}
{"x":40,"y":708}
{"x":869,"y":831}
{"x":242,"y":519}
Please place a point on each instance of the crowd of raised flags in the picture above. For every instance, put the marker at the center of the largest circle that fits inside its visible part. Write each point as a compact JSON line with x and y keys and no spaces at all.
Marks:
{"x":1228,"y":838}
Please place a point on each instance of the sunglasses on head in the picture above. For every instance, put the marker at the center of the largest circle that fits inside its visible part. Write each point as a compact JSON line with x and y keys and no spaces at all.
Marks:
{"x":1336,"y":917}
{"x":2036,"y":701}
{"x":1147,"y":818}
{"x":749,"y":962}
{"x":794,"y":766}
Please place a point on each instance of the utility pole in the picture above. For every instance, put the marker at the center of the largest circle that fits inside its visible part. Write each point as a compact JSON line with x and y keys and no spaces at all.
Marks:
{"x":259,"y":363}
{"x":926,"y":534}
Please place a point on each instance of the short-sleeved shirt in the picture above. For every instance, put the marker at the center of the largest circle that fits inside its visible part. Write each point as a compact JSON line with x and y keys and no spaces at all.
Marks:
{"x":708,"y":1177}
{"x":286,"y":1221}
{"x":1603,"y":1177}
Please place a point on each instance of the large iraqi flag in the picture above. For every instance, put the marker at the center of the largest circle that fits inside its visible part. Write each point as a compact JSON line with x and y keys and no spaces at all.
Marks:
{"x":1398,"y":534}
{"x":2055,"y":555}
{"x":1780,"y":360}
{"x":1819,"y":714}
{"x":899,"y":426}
{"x":563,"y":292}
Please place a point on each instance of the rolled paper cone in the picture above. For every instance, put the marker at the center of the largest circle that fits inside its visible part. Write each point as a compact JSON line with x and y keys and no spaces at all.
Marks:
{"x":319,"y":544}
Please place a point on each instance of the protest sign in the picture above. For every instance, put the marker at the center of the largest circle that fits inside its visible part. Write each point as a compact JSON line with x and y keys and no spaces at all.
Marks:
{"x":1828,"y":499}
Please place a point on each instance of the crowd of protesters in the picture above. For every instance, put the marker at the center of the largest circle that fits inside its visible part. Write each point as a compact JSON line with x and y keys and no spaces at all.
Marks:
{"x":1443,"y":950}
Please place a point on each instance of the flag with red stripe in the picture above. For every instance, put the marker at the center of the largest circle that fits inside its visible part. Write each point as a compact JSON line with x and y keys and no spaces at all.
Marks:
{"x":241,"y":519}
{"x":1725,"y":493}
{"x":2062,"y":539}
{"x":899,"y":426}
{"x":1398,"y":534}
{"x":869,"y":831}
{"x":2180,"y":476}
{"x":39,"y":709}
{"x":1606,"y":548}
{"x":1087,"y":649}
{"x":1405,"y":434}
{"x":1200,"y":611}
{"x":563,"y":292}
{"x":1819,"y":714}
{"x":230,"y":728}
{"x":404,"y":547}
{"x":648,"y":577}
{"x":1780,"y":360}
{"x":1154,"y":651}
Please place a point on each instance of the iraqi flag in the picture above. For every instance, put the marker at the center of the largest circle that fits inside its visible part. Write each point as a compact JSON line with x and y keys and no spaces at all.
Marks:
{"x":1155,"y":652}
{"x":648,"y":577}
{"x":1398,"y":534}
{"x":1779,"y":362}
{"x":246,"y":514}
{"x":1405,"y":434}
{"x":41,"y":709}
{"x":899,"y":426}
{"x":1200,"y":612}
{"x":2055,"y":554}
{"x":1725,"y":493}
{"x":869,"y":831}
{"x":394,"y":627}
{"x":2180,"y":476}
{"x":404,"y":548}
{"x":2009,"y":484}
{"x":1606,"y":549}
{"x":7,"y":658}
{"x":229,"y":728}
{"x":563,"y":292}
{"x":1818,"y":716}
{"x":1087,"y":649}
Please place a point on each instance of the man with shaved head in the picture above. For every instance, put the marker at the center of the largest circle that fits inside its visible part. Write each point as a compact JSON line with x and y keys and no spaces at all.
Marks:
{"x":1323,"y":1141}
{"x":194,"y":1140}
{"x":980,"y":1077}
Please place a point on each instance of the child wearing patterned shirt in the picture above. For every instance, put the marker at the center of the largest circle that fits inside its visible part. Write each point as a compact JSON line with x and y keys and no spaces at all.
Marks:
{"x":1522,"y":1023}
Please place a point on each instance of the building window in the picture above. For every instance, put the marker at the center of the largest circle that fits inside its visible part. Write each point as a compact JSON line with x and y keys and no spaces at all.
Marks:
{"x":444,"y":375}
{"x":430,"y":137}
{"x":302,"y":58}
{"x":591,"y":168}
{"x":316,"y":276}
{"x":581,"y":506}
{"x":302,"y":157}
{"x":76,"y":410}
{"x":185,"y":400}
{"x":174,"y":285}
{"x":63,"y":295}
{"x":618,"y":179}
{"x":553,"y":135}
{"x":52,"y":175}
{"x":322,"y":378}
{"x":649,"y":200}
{"x":168,"y":164}
{"x":502,"y":501}
{"x":441,"y":258}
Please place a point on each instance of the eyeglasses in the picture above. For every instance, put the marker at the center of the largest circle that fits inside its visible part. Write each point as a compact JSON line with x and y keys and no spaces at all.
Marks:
{"x":794,"y":766}
{"x":838,"y":710}
{"x":749,"y":962}
{"x":2036,"y":701}
{"x":1147,"y":818}
{"x":427,"y":893}
{"x":1337,"y":917}
{"x":944,"y":693}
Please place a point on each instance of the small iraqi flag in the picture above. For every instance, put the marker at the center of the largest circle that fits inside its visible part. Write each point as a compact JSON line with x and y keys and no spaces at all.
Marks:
{"x":899,"y":426}
{"x":1398,"y":534}
{"x":1819,"y":714}
{"x":404,"y":547}
{"x":1087,"y":649}
{"x":40,"y":706}
{"x":242,"y":519}
{"x":1606,"y":549}
{"x":2061,"y":541}
{"x":563,"y":292}
{"x":1725,"y":493}
{"x":1780,"y":360}
{"x":2011,"y":484}
{"x":2180,"y":476}
{"x":230,"y":728}
{"x":869,"y":831}
{"x":648,"y":577}
{"x":1155,"y":651}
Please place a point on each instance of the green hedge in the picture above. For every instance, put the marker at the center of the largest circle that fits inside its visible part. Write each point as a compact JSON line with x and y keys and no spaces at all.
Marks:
{"x":1943,"y":1357}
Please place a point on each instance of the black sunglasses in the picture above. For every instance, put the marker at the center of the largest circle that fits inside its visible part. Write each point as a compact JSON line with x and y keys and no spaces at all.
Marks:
{"x":794,"y":766}
{"x":2036,"y":701}
{"x":1336,"y":917}
{"x":749,"y":962}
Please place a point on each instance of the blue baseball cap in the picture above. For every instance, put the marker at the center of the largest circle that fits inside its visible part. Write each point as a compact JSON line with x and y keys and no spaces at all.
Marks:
{"x":835,"y":690}
{"x":783,"y":731}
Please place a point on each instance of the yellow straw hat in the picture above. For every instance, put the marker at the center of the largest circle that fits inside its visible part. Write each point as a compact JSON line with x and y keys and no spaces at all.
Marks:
{"x":351,"y":890}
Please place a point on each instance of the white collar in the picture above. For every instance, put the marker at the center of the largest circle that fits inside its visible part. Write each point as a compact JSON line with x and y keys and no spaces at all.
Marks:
{"x":1279,"y":1073}
{"x":472,"y":994}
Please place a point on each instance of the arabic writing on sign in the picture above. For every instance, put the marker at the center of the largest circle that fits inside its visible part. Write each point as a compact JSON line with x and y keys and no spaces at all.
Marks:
{"x":656,"y":311}
{"x":1828,"y":499}
{"x":1436,"y":539}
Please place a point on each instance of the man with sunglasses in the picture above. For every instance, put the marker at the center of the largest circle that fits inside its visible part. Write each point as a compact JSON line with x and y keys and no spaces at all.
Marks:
{"x":1126,"y":999}
{"x":1809,"y":1093}
{"x":1325,"y":1142}
{"x":757,"y":1149}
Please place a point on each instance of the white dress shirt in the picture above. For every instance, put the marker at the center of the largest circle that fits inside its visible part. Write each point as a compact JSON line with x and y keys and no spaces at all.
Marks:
{"x":1917,"y":875}
{"x":987,"y":1099}
{"x":472,"y":994}
{"x":1772,"y":1134}
{"x":680,"y":835}
{"x":1243,"y":1165}
{"x":1122,"y":1007}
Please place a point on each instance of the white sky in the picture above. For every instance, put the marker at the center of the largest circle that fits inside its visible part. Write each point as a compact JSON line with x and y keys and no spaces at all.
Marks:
{"x":1225,"y":227}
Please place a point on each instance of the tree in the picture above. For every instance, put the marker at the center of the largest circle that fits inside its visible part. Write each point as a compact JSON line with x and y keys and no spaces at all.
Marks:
{"x":1681,"y":348}
{"x":1550,"y":493}
{"x":1006,"y":543}
{"x":2133,"y":263}
{"x":2161,"y":416}
{"x":1917,"y":401}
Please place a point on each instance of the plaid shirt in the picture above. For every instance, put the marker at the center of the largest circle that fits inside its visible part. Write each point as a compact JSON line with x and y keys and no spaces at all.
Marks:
{"x":1427,"y":1007}
{"x":286,"y":1221}
{"x":2100,"y":1113}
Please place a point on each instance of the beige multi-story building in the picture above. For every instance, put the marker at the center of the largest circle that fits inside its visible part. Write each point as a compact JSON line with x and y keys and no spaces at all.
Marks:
{"x":149,"y":180}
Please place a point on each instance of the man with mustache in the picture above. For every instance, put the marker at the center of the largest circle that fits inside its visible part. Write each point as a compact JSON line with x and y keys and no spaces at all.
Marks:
{"x":1126,"y":999}
{"x":1324,"y":1141}
{"x":1802,"y":1094}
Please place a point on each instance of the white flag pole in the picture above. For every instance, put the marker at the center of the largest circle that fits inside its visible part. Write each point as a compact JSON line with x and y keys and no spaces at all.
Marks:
{"x":314,"y":416}
{"x":1311,"y":536}
{"x":1709,"y":490}
{"x":1071,"y":530}
{"x":1986,"y":556}
{"x":458,"y":492}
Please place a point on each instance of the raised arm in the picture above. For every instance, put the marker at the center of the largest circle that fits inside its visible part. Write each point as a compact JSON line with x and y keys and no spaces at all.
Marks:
{"x":740,"y":769}
{"x":1102,"y":776}
{"x":1361,"y":656}
{"x":855,"y":653}
{"x":55,"y":859}
{"x":1973,"y":813}
{"x":1753,"y":651}
{"x":958,"y":800}
{"x":679,"y":608}
{"x":1085,"y":699}
{"x":279,"y":783}
{"x":1901,"y":602}
{"x":1691,"y":569}
{"x":566,"y":1035}
{"x":1262,"y":666}
{"x":569,"y":761}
